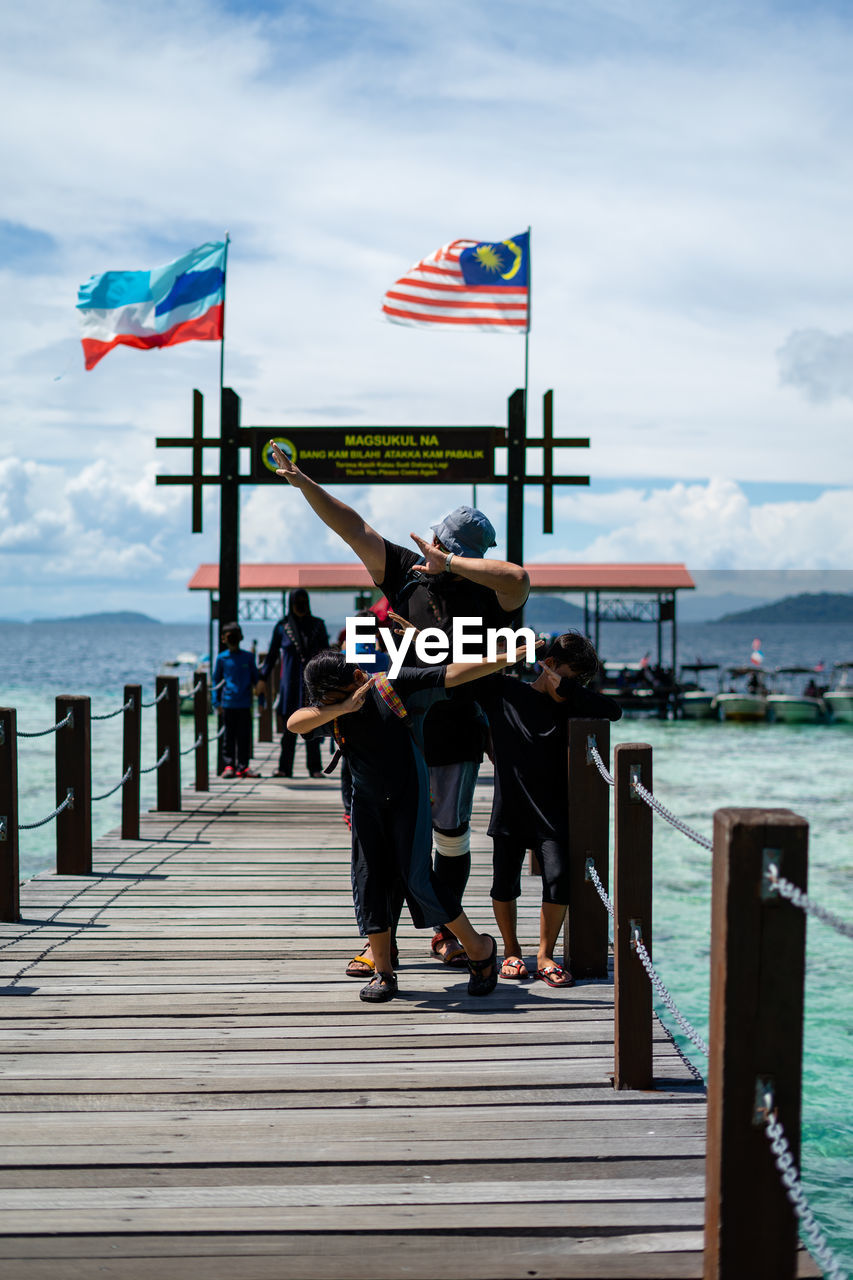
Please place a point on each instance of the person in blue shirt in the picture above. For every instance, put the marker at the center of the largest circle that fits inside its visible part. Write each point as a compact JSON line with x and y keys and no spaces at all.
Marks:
{"x":234,"y":676}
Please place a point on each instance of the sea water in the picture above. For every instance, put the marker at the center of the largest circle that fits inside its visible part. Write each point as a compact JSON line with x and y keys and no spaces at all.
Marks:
{"x":699,"y":766}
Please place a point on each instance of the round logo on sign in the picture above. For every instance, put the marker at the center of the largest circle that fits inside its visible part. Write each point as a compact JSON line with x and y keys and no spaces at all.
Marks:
{"x":287,"y":447}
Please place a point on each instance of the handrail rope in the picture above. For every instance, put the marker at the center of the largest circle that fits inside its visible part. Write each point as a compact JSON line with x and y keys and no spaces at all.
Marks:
{"x":221,"y":731}
{"x":218,"y":686}
{"x":197,"y":743}
{"x":643,"y":955}
{"x":121,"y":782}
{"x":638,"y":789}
{"x":160,"y":696}
{"x":194,"y":690}
{"x":786,"y":889}
{"x":53,"y":728}
{"x":127,"y":706}
{"x":790,"y":1176}
{"x":164,"y":757}
{"x":644,"y":794}
{"x":66,"y":803}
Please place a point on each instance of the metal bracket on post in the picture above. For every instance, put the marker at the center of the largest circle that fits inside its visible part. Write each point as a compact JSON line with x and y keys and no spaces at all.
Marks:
{"x":764,"y":1089}
{"x":2,"y":734}
{"x":770,"y":858}
{"x":590,"y":745}
{"x":4,"y":826}
{"x":636,"y":933}
{"x":635,"y":774}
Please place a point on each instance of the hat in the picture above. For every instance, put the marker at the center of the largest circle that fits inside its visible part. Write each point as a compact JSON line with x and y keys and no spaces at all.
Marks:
{"x":466,"y":532}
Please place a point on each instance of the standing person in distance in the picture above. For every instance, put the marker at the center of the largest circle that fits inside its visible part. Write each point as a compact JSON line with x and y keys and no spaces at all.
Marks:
{"x":296,"y":638}
{"x":450,"y":578}
{"x":236,"y":672}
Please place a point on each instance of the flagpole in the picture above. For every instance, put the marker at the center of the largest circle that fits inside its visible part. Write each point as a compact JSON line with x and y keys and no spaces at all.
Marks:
{"x":529,"y":314}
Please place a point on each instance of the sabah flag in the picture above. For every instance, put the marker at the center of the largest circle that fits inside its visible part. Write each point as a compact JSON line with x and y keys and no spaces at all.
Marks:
{"x":179,"y":302}
{"x":467,"y":284}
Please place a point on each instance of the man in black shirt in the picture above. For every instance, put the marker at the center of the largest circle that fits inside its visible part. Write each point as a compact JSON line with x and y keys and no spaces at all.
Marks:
{"x":529,"y":724}
{"x":378,"y":726}
{"x":449,"y":579}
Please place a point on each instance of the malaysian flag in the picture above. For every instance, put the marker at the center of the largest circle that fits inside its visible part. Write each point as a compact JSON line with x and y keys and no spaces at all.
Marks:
{"x":469,"y":284}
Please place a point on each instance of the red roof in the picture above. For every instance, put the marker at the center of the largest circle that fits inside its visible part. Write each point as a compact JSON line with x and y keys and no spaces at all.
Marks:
{"x":543,"y":577}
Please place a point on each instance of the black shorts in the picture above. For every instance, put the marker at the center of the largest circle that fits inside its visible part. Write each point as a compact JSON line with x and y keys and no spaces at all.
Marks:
{"x":507,"y":861}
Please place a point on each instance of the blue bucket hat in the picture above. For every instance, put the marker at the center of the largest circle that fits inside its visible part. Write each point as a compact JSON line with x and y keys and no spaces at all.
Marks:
{"x":466,"y":532}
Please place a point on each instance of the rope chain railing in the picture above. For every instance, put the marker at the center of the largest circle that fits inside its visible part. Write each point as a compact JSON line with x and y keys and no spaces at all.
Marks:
{"x":164,"y":693}
{"x":221,"y":732}
{"x":644,"y":794}
{"x":778,"y":884}
{"x":164,"y":757}
{"x":219,"y":686}
{"x":109,"y":715}
{"x":69,"y":719}
{"x":186,"y":751}
{"x":121,"y":782}
{"x":644,"y":957}
{"x":790,"y":1176}
{"x":67,"y":803}
{"x":194,"y":690}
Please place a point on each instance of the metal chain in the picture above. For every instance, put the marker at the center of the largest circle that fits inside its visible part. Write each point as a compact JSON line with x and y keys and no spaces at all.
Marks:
{"x":686,"y":1026}
{"x":164,"y":693}
{"x":802,"y":900}
{"x":218,"y":686}
{"x":221,"y":731}
{"x":794,"y":1190}
{"x":599,"y":763}
{"x":128,"y":771}
{"x":197,"y":743}
{"x":110,"y":714}
{"x":31,"y":826}
{"x":163,"y":758}
{"x":53,"y":728}
{"x":691,"y":1066}
{"x":640,"y":790}
{"x":194,"y":690}
{"x":602,"y":892}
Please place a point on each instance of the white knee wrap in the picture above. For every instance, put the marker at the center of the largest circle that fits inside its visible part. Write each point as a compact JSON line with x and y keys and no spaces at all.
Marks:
{"x":452,"y":846}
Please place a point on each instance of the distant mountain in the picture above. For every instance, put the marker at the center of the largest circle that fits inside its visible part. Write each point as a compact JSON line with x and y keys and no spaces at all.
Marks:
{"x":107,"y":619}
{"x":550,"y":613}
{"x":820,"y":607}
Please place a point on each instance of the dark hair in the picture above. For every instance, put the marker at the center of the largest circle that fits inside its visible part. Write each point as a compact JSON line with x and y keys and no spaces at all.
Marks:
{"x":328,"y":672}
{"x":231,"y":627}
{"x":298,"y":596}
{"x":576,"y":651}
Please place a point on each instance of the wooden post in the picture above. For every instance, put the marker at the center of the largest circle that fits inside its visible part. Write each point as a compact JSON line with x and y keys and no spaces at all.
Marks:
{"x":74,"y":773}
{"x":10,"y":903}
{"x":169,"y":736}
{"x":632,"y":907}
{"x":265,"y":711}
{"x":132,"y":760}
{"x":229,"y":507}
{"x":586,"y":939}
{"x":200,"y":712}
{"x":516,"y":470}
{"x":756,"y":1035}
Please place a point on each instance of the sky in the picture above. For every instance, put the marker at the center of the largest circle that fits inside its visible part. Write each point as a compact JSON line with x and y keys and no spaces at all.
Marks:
{"x":686,"y":172}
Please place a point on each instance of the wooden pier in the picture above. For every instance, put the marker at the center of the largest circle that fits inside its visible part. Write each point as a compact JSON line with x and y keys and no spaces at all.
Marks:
{"x":191,"y":1087}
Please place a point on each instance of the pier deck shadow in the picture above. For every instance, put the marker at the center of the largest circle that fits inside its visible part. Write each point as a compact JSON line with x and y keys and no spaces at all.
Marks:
{"x":192,"y":1088}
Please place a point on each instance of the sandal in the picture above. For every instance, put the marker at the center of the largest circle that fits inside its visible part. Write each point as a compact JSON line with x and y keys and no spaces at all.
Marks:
{"x":513,"y":967}
{"x":454,"y":956}
{"x":381,"y":987}
{"x":555,"y":976}
{"x":480,"y":983}
{"x":362,"y":966}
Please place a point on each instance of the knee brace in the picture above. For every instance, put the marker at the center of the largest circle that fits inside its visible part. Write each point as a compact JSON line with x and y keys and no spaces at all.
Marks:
{"x":453,"y":844}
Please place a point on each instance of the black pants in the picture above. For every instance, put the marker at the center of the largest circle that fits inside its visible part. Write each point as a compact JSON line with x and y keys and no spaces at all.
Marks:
{"x":313,"y":758}
{"x":237,"y":736}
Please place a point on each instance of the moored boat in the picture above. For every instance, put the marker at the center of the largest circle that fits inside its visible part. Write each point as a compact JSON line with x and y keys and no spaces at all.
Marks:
{"x":839,"y":697}
{"x":745,"y":703}
{"x":788,"y":707}
{"x":694,"y":702}
{"x":184,"y":666}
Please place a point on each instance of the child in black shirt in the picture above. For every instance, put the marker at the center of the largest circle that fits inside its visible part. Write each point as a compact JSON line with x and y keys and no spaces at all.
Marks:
{"x":378,"y":723}
{"x":529,"y":811}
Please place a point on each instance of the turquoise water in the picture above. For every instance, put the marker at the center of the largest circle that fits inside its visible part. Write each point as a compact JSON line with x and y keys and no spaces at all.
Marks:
{"x":698,"y":767}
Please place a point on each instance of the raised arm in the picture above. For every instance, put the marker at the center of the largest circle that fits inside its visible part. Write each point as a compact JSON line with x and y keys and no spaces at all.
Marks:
{"x":367,"y":544}
{"x":463,"y":672}
{"x":308,"y":718}
{"x":509,"y":582}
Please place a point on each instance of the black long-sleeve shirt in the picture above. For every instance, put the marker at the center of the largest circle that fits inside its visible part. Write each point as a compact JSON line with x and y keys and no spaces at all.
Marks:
{"x":530,"y":737}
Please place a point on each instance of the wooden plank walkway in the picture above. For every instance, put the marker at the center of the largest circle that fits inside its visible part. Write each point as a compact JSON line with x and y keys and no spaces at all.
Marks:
{"x":192,"y":1088}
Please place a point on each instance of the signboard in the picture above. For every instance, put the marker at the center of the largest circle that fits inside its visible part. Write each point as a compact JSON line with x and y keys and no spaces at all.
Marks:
{"x":379,"y":455}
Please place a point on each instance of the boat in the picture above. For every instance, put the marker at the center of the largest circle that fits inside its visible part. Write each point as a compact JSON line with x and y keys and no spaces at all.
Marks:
{"x":839,"y":696}
{"x":637,"y":687}
{"x":747,"y":703}
{"x":184,"y":666}
{"x":694,"y":702}
{"x":787,"y":707}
